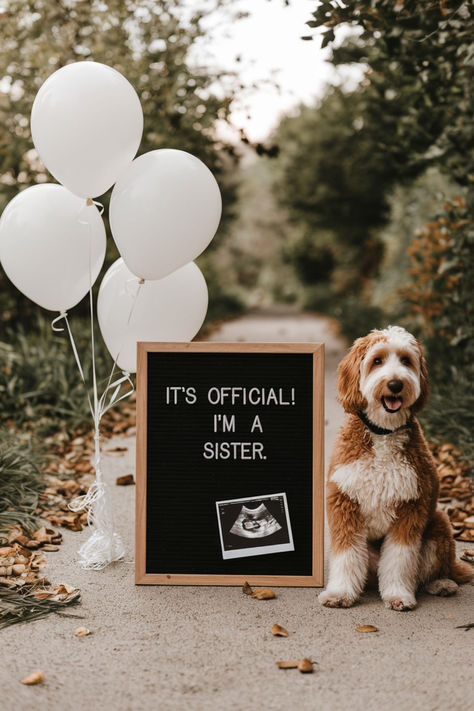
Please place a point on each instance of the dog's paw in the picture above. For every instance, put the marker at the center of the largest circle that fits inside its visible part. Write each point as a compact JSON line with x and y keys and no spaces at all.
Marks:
{"x":401,"y":604}
{"x":444,"y":587}
{"x":330,"y":598}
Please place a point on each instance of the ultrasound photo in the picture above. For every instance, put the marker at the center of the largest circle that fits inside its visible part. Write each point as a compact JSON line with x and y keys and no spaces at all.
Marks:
{"x":254,"y":526}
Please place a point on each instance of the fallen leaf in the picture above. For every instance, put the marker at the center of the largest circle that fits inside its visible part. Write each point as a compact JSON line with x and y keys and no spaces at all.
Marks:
{"x":117,"y":449}
{"x":41,"y":536}
{"x":125,"y":480}
{"x":246,"y":589}
{"x":468,"y":555}
{"x":42,"y":594}
{"x":36,"y":677}
{"x":366,"y":628}
{"x":287,"y":665}
{"x":82,"y":632}
{"x":279,"y":631}
{"x":15,"y":531}
{"x":263,"y":594}
{"x":7,"y":551}
{"x":305,"y":665}
{"x":60,"y":593}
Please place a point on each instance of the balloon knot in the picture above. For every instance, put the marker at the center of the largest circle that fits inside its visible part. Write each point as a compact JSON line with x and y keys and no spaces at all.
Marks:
{"x":62,"y":314}
{"x":141,"y":281}
{"x":89,"y":202}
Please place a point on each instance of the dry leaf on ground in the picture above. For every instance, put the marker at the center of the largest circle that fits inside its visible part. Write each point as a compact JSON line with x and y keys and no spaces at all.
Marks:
{"x":20,"y":565}
{"x":305,"y":666}
{"x":366,"y":628}
{"x":82,"y":632}
{"x":468,"y":555}
{"x":279,"y":631}
{"x":456,"y":495}
{"x":61,"y":593}
{"x":246,"y":589}
{"x":263,"y":594}
{"x":36,"y":677}
{"x":288,"y":665}
{"x":125,"y":480}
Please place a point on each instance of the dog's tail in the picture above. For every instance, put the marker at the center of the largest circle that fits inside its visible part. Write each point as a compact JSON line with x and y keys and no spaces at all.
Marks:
{"x":461,"y":572}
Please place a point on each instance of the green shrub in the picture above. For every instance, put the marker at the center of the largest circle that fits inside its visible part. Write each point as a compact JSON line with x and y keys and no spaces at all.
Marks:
{"x":40,"y":385}
{"x":20,"y":482}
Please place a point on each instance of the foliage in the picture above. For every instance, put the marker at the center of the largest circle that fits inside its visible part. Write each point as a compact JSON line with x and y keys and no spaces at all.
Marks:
{"x":334,"y":181}
{"x":20,"y":482}
{"x":146,"y":40}
{"x":17,"y":606}
{"x":414,"y":108}
{"x":442,"y":308}
{"x":40,"y":386}
{"x":441,"y":290}
{"x":250,"y":264}
{"x":418,"y":86}
{"x":150,"y":42}
{"x":341,"y":160}
{"x":449,"y":416}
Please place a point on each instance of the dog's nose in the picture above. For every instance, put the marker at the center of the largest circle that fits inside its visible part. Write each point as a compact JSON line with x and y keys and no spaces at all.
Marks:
{"x":395,"y":386}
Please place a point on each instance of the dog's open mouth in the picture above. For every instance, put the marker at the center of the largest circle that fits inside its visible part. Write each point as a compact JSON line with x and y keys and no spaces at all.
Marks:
{"x":392,"y":403}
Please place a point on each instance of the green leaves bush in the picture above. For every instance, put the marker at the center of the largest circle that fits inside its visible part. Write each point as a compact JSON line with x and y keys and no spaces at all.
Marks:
{"x":40,"y":386}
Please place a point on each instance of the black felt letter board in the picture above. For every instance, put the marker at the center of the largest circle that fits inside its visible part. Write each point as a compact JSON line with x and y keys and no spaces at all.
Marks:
{"x":203,"y":448}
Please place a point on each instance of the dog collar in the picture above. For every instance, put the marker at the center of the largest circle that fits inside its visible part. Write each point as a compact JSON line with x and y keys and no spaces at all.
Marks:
{"x":375,"y":428}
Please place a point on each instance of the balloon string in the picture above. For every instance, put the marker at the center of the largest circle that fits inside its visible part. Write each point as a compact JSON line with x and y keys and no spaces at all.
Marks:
{"x":64,"y":316}
{"x":104,"y":545}
{"x":132,"y":309}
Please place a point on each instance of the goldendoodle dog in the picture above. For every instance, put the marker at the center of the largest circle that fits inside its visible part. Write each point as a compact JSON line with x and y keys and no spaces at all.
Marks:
{"x":382,"y":488}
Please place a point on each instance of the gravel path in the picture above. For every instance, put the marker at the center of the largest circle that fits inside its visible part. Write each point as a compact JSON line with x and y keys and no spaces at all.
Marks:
{"x":211,"y":648}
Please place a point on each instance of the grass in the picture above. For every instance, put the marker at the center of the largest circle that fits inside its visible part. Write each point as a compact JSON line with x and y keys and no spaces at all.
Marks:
{"x":21,"y":606}
{"x":20,"y":483}
{"x":40,"y":386}
{"x":449,"y":416}
{"x":41,"y":392}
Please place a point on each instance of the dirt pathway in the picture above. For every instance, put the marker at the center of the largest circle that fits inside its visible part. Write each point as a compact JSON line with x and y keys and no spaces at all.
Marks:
{"x":211,"y":648}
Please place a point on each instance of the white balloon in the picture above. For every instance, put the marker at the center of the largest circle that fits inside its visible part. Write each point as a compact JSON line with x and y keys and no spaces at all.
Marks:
{"x":52,"y":245}
{"x":164,"y":211}
{"x":168,"y":309}
{"x":86,"y":124}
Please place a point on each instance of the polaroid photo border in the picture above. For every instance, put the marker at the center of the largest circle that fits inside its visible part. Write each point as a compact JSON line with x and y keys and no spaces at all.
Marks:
{"x":245,"y":552}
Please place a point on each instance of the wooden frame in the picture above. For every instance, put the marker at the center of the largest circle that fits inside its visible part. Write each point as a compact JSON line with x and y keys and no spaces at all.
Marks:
{"x":317,"y":577}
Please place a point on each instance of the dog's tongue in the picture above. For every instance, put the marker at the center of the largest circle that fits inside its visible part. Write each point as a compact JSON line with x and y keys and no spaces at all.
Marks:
{"x":393,"y":403}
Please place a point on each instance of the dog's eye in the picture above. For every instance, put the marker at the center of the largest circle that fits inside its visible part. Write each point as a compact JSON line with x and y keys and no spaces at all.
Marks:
{"x":377,"y":361}
{"x":405,"y":360}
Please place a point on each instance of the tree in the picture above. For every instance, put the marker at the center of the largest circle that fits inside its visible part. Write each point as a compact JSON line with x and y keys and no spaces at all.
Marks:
{"x":148,"y":41}
{"x":420,"y":58}
{"x":418,"y":83}
{"x":333,"y":179}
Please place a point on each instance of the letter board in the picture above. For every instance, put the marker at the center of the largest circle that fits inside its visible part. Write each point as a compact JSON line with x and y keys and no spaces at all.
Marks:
{"x":230,"y":463}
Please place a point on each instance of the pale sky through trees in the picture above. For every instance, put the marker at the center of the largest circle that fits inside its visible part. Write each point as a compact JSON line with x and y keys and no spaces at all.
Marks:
{"x":270,"y":49}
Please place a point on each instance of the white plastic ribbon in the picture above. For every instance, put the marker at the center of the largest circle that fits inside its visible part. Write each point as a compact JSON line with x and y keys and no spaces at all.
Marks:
{"x":105,"y":545}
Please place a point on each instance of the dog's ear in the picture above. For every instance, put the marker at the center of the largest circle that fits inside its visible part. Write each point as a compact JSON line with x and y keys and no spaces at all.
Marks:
{"x":425,"y":391}
{"x":348,"y":376}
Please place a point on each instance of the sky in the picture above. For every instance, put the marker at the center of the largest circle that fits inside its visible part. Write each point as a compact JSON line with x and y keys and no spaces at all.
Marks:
{"x":271,"y":51}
